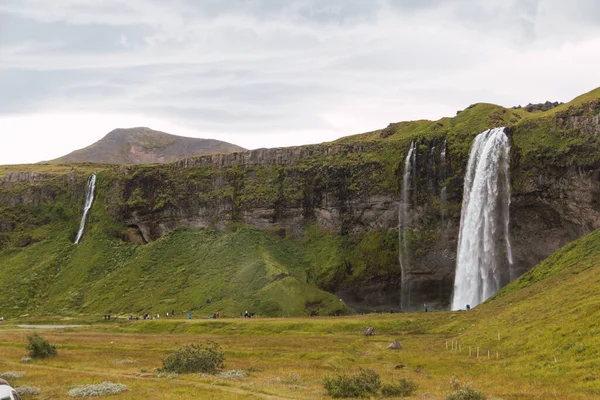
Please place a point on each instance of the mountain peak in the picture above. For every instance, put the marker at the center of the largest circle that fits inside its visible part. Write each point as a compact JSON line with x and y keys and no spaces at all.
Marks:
{"x":143,"y":145}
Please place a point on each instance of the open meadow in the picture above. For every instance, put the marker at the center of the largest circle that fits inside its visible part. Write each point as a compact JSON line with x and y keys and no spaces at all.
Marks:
{"x":288,"y":357}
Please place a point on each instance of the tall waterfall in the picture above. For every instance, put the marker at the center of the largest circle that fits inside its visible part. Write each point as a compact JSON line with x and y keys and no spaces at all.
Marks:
{"x":89,"y":199}
{"x":484,"y":260}
{"x":443,"y":178}
{"x":404,"y":220}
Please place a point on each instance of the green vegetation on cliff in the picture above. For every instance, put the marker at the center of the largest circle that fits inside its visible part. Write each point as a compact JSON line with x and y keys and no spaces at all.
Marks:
{"x":282,"y":227}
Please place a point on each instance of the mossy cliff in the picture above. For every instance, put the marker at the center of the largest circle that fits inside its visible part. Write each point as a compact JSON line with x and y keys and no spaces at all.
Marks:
{"x":330,"y":211}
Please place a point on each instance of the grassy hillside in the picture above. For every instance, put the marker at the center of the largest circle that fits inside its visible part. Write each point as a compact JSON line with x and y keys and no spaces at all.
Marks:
{"x":547,"y":320}
{"x":242,"y":269}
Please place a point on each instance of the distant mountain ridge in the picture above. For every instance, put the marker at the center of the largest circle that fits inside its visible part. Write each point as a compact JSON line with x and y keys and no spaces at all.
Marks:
{"x":143,"y":146}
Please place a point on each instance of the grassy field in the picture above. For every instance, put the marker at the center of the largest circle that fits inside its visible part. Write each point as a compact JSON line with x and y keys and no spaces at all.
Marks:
{"x":284,"y":358}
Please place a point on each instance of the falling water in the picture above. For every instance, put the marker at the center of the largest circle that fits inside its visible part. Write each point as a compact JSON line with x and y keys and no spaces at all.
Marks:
{"x":410,"y":168}
{"x":443,"y":179}
{"x":89,"y":199}
{"x":484,"y":259}
{"x":433,"y":173}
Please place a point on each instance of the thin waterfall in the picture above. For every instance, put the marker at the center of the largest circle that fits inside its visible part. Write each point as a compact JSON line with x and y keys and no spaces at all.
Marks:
{"x":404,"y":219}
{"x":443,"y":177}
{"x":484,"y":259}
{"x":89,"y":199}
{"x":433,"y":172}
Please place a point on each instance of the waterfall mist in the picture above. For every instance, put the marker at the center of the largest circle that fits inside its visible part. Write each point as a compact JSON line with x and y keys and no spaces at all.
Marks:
{"x":89,"y":199}
{"x":484,"y":259}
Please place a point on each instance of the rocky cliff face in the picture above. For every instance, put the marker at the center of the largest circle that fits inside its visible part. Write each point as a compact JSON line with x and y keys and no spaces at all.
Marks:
{"x":345,"y":189}
{"x":278,"y":189}
{"x":350,"y":191}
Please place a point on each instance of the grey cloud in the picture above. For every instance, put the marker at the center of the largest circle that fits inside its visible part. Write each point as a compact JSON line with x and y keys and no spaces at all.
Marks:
{"x":26,"y":91}
{"x":68,"y":38}
{"x":317,"y":11}
{"x":247,"y":65}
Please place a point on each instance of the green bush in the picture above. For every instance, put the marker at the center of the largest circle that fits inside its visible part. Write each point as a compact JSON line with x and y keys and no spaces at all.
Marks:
{"x":203,"y":357}
{"x":364,"y":383}
{"x":404,"y":388}
{"x":466,"y":393}
{"x":39,"y":347}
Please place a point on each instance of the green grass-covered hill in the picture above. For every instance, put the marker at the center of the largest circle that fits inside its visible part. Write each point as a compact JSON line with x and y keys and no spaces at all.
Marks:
{"x":287,"y":231}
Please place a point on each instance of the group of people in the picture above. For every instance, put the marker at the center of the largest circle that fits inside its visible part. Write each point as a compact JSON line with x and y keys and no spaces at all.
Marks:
{"x":245,"y":314}
{"x":148,"y":316}
{"x":157,"y":316}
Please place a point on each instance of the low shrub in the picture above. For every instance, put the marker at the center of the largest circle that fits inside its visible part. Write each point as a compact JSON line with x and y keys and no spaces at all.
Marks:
{"x":27,"y":390}
{"x":203,"y":357}
{"x":123,"y":362}
{"x":100,"y":389}
{"x":167,"y":375}
{"x":364,"y":383}
{"x":39,"y":347}
{"x":12,"y":375}
{"x":466,"y":393}
{"x":404,"y":388}
{"x":233,"y":374}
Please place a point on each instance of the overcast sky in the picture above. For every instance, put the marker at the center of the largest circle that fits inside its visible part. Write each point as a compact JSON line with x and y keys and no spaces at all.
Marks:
{"x":270,"y":73}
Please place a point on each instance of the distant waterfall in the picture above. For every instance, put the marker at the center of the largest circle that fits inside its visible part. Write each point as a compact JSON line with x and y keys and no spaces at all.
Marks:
{"x":404,"y":219}
{"x":443,"y":177}
{"x":89,"y":199}
{"x":484,"y":259}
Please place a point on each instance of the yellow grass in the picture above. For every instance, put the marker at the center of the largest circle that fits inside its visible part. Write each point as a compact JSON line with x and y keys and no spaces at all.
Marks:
{"x":283,"y":363}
